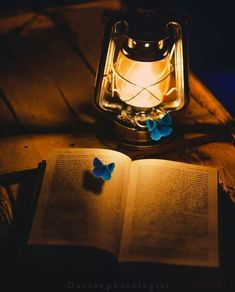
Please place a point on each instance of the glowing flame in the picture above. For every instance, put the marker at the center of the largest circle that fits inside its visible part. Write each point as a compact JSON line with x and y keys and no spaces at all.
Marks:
{"x":142,"y":84}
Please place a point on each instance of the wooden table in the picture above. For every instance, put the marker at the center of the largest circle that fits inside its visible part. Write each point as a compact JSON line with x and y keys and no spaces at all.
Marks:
{"x":48,"y":60}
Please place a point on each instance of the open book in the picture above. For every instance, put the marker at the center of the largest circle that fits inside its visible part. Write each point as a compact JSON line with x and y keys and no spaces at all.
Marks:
{"x":151,"y":210}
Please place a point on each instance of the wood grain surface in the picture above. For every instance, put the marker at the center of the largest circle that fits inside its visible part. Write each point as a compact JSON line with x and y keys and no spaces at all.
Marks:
{"x":48,"y":60}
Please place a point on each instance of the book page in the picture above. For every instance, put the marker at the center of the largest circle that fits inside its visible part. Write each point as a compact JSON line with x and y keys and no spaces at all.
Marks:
{"x":171,"y":214}
{"x":76,"y":208}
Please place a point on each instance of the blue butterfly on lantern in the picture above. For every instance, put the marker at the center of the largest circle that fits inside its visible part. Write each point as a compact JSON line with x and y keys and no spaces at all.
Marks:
{"x":161,"y":128}
{"x":103,"y":171}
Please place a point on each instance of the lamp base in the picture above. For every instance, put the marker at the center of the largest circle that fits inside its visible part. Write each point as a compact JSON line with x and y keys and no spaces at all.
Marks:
{"x":117,"y":136}
{"x":136,"y":139}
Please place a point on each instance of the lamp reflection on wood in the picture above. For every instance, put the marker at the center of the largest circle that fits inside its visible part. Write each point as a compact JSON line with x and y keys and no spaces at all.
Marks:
{"x":143,"y":71}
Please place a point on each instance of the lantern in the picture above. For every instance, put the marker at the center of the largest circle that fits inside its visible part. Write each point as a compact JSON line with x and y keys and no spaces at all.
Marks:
{"x":142,"y":75}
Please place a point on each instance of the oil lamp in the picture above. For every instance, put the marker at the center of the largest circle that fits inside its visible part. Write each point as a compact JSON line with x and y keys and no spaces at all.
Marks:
{"x":142,"y":75}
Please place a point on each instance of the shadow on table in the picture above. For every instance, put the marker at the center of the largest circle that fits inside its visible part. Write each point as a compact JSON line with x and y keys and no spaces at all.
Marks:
{"x":20,"y":187}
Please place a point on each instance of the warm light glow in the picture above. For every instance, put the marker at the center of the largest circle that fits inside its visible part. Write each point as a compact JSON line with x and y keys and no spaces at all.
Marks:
{"x":142,"y":84}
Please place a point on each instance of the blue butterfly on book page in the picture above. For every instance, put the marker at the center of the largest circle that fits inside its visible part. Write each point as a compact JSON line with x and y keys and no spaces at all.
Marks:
{"x":101,"y":170}
{"x":161,"y":128}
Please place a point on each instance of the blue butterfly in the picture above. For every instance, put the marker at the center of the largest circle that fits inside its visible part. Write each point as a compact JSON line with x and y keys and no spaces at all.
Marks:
{"x":161,"y":128}
{"x":102,"y":170}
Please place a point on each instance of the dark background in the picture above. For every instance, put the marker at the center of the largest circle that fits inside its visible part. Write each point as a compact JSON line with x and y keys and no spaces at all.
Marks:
{"x":211,"y":34}
{"x":212,"y":45}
